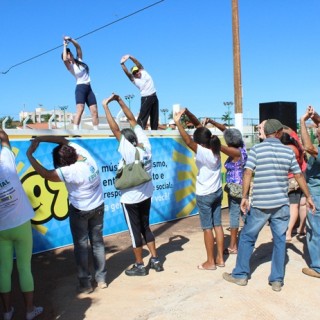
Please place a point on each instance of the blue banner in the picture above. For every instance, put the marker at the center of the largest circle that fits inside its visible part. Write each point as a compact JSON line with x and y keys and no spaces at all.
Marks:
{"x":173,"y":174}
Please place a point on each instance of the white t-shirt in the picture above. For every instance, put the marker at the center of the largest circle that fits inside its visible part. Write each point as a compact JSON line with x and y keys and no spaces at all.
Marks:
{"x":209,"y":174}
{"x":15,"y":208}
{"x":145,"y":84}
{"x":80,"y":73}
{"x":82,"y":181}
{"x":128,"y":152}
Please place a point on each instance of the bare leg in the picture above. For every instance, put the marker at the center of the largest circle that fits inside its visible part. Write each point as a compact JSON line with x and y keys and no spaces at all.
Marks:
{"x":94,"y":114}
{"x":78,"y":115}
{"x":28,"y":300}
{"x":294,"y":212}
{"x":138,"y":254}
{"x":233,"y":239}
{"x":302,"y":216}
{"x":6,"y":301}
{"x":152,"y":248}
{"x":220,"y":243}
{"x":209,"y":244}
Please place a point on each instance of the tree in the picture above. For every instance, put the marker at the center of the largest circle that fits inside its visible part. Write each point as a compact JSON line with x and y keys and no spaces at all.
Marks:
{"x":9,"y":123}
{"x":226,"y":117}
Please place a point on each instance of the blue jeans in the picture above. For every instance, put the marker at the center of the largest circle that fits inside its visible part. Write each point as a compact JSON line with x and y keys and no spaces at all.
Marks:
{"x":255,"y":221}
{"x":210,"y":209}
{"x":313,"y":235}
{"x":86,"y":225}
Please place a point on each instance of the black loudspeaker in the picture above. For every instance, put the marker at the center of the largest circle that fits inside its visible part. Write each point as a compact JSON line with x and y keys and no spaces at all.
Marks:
{"x":285,"y":112}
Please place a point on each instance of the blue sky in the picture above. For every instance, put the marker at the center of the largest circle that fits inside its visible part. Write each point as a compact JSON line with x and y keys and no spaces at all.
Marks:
{"x":185,"y":45}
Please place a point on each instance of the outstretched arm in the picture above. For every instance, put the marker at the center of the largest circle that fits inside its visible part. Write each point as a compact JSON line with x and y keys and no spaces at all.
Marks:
{"x":194,"y":120}
{"x":53,"y":139}
{"x":4,"y":139}
{"x":112,"y":123}
{"x":186,"y":138}
{"x":306,"y":141}
{"x":218,"y":125}
{"x":50,"y":175}
{"x":124,"y":68}
{"x":76,"y":45}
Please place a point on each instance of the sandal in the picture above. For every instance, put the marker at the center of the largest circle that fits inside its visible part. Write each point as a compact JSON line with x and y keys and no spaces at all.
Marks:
{"x":230,"y":251}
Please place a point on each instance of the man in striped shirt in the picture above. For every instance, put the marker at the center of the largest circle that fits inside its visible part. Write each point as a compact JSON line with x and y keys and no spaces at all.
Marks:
{"x":270,"y":162}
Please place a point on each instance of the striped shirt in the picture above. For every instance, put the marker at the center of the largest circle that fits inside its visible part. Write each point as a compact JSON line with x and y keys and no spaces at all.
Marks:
{"x":271,"y":161}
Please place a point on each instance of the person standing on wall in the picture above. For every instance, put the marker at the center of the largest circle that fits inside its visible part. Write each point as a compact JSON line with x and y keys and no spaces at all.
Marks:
{"x":79,"y":171}
{"x":149,"y":100}
{"x":135,"y":201}
{"x":15,"y":234}
{"x":84,"y":93}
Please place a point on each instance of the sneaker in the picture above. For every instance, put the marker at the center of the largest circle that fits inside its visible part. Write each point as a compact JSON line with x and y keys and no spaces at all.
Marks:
{"x":276,"y":285}
{"x":85,"y":290}
{"x":156,"y":265}
{"x":239,"y":281}
{"x":102,"y":285}
{"x":310,"y":272}
{"x":8,"y":315}
{"x":34,"y":313}
{"x":137,"y":270}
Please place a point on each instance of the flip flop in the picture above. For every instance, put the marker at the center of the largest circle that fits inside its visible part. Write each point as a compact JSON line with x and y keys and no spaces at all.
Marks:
{"x":230,"y":251}
{"x":201,"y":267}
{"x":222,"y":265}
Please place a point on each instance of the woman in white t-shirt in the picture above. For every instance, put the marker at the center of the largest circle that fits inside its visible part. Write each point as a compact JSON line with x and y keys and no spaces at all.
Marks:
{"x":208,"y":186}
{"x":15,"y":234}
{"x":84,"y":93}
{"x":135,"y":201}
{"x":78,"y":170}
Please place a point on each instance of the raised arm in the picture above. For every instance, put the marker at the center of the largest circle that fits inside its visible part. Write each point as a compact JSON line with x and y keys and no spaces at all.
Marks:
{"x":50,"y":175}
{"x":194,"y":120}
{"x":218,"y":125}
{"x":76,"y":45}
{"x":52,"y":139}
{"x":306,"y":140}
{"x":184,"y":135}
{"x":4,"y":139}
{"x":112,"y":123}
{"x":124,"y":68}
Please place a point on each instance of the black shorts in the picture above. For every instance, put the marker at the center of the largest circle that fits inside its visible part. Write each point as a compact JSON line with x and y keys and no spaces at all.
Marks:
{"x":85,"y":95}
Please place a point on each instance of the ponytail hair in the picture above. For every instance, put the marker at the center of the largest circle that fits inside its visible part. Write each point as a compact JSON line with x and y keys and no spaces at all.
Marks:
{"x":204,"y":137}
{"x":78,"y":62}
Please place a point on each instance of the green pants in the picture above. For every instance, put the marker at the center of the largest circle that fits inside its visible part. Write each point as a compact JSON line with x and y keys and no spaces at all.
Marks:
{"x":18,"y":240}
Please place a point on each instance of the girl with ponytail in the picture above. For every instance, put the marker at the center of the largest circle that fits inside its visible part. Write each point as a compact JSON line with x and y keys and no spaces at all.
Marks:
{"x":208,"y":187}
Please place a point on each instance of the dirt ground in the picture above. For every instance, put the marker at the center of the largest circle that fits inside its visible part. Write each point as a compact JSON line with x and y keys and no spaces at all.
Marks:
{"x":181,"y":291}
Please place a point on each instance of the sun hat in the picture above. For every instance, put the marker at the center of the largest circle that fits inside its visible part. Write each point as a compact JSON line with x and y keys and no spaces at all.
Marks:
{"x":272,"y":126}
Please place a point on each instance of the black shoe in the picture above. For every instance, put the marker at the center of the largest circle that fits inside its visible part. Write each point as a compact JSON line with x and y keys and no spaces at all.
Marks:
{"x":137,"y":270}
{"x":156,"y":265}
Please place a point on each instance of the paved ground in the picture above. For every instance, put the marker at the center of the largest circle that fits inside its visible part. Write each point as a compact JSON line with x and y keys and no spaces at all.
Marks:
{"x":181,"y":291}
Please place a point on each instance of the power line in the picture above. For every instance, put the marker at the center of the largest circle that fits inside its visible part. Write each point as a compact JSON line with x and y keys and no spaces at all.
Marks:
{"x":84,"y":35}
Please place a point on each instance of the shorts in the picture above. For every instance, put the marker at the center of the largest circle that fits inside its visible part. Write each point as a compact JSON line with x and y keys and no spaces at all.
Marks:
{"x":234,"y":212}
{"x":210,"y":209}
{"x":295,"y":196}
{"x":85,"y":95}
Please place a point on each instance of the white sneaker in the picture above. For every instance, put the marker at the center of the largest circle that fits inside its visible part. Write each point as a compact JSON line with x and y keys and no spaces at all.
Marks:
{"x":8,"y":315}
{"x":34,"y":313}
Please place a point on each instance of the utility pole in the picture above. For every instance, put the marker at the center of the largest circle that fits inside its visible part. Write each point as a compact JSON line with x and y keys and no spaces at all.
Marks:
{"x":64,"y":108}
{"x":164,"y":112}
{"x":238,"y":113}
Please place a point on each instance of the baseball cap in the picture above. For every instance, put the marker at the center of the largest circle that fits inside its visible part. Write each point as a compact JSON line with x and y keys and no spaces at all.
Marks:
{"x":272,"y":126}
{"x":134,"y":69}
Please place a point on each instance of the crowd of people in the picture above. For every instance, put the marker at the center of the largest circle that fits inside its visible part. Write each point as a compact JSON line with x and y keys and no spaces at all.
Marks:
{"x":263,"y":177}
